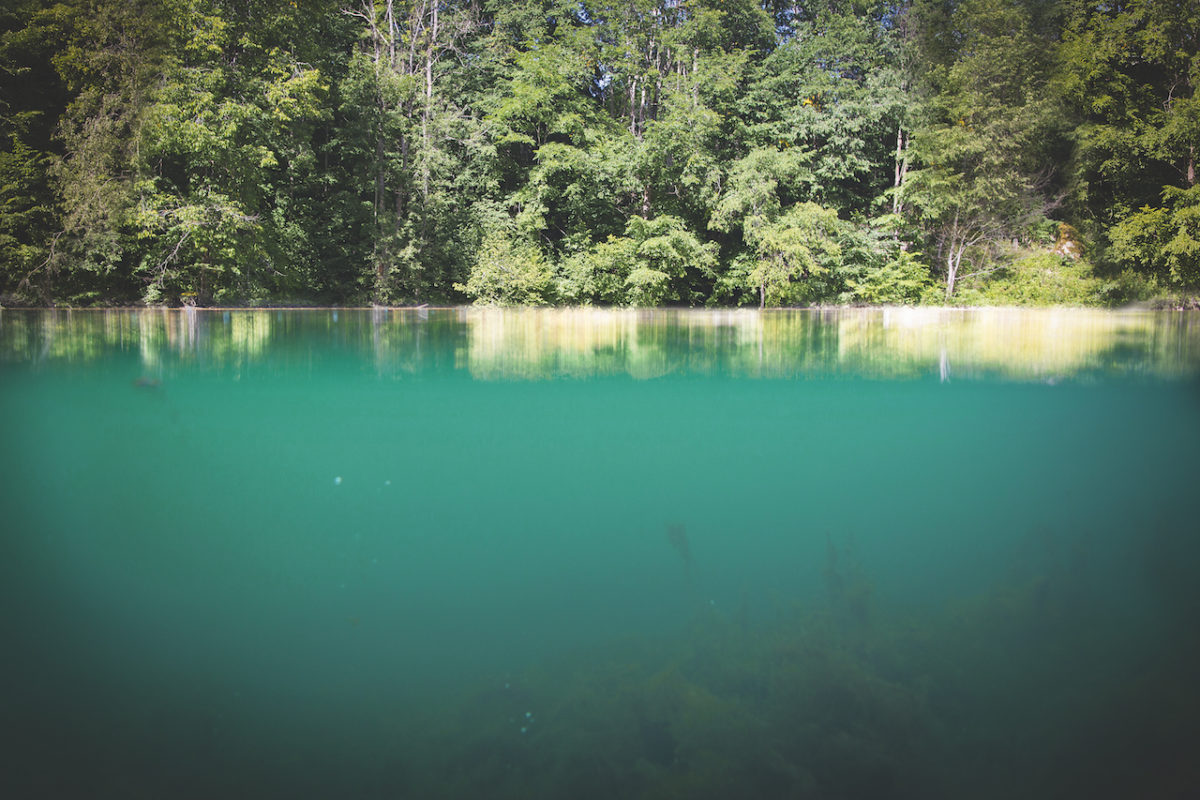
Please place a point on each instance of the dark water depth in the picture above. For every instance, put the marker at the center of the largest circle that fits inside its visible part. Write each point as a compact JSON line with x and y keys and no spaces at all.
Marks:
{"x":478,"y":554}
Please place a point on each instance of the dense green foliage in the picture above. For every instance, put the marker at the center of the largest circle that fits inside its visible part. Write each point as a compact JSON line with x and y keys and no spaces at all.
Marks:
{"x":646,"y":152}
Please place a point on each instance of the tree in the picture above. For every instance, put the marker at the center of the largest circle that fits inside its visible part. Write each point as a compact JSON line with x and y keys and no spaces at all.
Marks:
{"x":229,"y":132}
{"x":654,"y":263}
{"x":509,"y":272}
{"x":801,"y":244}
{"x":1130,"y":73}
{"x":73,"y":152}
{"x":789,"y":241}
{"x":832,"y":89}
{"x":563,"y":164}
{"x":1163,"y":241}
{"x":984,"y":159}
{"x":422,"y":153}
{"x":32,"y":98}
{"x":27,"y":213}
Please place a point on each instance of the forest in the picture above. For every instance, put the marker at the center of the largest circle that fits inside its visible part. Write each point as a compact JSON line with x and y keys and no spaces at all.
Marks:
{"x":599,"y":152}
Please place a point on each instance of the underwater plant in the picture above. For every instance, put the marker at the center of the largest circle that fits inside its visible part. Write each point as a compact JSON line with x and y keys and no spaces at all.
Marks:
{"x":847,"y":586}
{"x":678,"y":539}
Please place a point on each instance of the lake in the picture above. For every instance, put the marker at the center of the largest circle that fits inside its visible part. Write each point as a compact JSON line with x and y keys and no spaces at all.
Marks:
{"x":889,"y":553}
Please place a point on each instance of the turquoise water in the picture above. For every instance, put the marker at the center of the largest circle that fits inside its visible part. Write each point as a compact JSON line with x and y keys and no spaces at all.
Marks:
{"x":463,"y":553}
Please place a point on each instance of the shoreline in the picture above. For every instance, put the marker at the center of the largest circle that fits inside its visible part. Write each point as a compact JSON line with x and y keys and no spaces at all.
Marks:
{"x":1192,"y":304}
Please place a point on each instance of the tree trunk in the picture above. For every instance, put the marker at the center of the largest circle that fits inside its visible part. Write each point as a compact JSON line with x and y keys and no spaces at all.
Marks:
{"x":642,"y":110}
{"x":633,"y":109}
{"x":402,"y":188}
{"x":953,"y":260}
{"x":390,"y":19}
{"x":901,"y":170}
{"x":379,"y":178}
{"x":427,"y":110}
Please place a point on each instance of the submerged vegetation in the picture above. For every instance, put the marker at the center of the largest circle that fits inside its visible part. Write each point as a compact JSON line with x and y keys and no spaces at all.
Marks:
{"x":853,"y":696}
{"x":652,"y":152}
